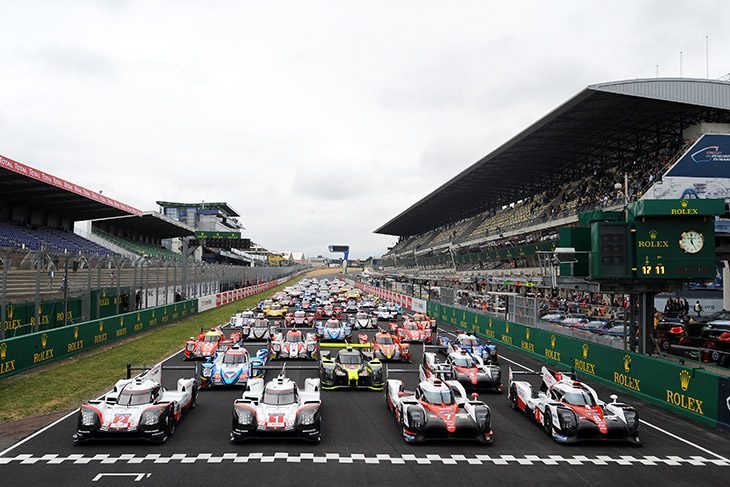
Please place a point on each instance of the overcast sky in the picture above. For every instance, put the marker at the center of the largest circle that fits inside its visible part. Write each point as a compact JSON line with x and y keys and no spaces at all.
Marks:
{"x":317,"y":121}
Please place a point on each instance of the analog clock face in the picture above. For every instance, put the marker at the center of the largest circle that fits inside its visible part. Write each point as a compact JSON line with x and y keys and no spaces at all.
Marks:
{"x":691,"y":241}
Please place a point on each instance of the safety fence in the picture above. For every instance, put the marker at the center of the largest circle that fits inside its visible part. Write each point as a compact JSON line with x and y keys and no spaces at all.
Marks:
{"x":696,"y":393}
{"x":408,"y":302}
{"x":35,"y":349}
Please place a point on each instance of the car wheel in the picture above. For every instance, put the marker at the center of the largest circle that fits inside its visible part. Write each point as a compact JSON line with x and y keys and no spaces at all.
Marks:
{"x":548,"y":422}
{"x":195,"y":398}
{"x":513,"y":398}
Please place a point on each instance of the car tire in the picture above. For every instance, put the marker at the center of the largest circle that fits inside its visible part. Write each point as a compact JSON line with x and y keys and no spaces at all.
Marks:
{"x":547,"y":422}
{"x":513,"y":398}
{"x":195,"y":397}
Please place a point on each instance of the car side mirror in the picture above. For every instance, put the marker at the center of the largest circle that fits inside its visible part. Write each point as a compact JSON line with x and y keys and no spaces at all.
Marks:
{"x":475,"y":396}
{"x":614,"y":397}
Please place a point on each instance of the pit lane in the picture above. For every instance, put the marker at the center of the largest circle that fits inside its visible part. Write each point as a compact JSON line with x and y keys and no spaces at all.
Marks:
{"x":361,"y":445}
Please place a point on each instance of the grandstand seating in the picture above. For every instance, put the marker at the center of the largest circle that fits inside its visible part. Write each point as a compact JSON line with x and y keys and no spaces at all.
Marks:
{"x":139,"y":248}
{"x":51,"y":239}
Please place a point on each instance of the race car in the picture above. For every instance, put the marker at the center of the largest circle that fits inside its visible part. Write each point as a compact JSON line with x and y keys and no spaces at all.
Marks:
{"x":208,"y":343}
{"x":438,"y":409}
{"x":394,"y":308}
{"x":259,"y":330}
{"x":350,"y":368}
{"x":468,"y":369}
{"x":351,"y":306}
{"x":386,"y":346}
{"x":234,"y":367}
{"x":332,"y":329}
{"x":486,"y":350}
{"x":243,"y":318}
{"x":299,"y":318}
{"x":275,"y":310}
{"x":384,"y":313}
{"x":137,"y":407}
{"x":412,"y":332}
{"x":363,"y":320}
{"x":570,"y":411}
{"x":293,"y":344}
{"x":278,"y":408}
{"x":425,"y":321}
{"x":367,"y":304}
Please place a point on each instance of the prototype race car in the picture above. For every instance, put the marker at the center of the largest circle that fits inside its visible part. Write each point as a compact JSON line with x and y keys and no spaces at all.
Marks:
{"x":570,"y":411}
{"x":466,"y":368}
{"x":333,"y":329}
{"x":487,"y":351}
{"x":275,"y":310}
{"x":424,"y":320}
{"x":350,"y":368}
{"x":137,"y":408}
{"x":384,"y":313}
{"x":259,"y":330}
{"x":386,"y":346}
{"x":243,"y":318}
{"x":438,"y":409}
{"x":294,"y":344}
{"x":278,"y":408}
{"x":233,"y":367}
{"x":208,"y":343}
{"x":299,"y":318}
{"x":412,"y":331}
{"x":363,"y":320}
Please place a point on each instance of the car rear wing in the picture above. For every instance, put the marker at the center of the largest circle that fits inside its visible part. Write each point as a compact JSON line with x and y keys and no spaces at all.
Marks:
{"x":344,"y":345}
{"x":156,"y":370}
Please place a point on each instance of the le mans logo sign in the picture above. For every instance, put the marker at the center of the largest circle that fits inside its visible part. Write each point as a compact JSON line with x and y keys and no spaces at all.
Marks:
{"x":682,"y":400}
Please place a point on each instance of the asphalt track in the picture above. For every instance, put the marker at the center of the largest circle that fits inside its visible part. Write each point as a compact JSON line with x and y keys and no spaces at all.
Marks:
{"x":361,"y":445}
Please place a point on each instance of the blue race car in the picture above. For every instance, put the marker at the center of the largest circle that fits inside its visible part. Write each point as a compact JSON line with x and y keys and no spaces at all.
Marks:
{"x":333,"y":329}
{"x":486,"y":350}
{"x":232,"y":368}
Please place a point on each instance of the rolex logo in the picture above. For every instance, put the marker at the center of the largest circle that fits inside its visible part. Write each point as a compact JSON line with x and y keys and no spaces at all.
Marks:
{"x":3,"y":350}
{"x":683,"y":203}
{"x":44,"y":340}
{"x":653,"y":234}
{"x":585,"y":351}
{"x":684,"y":378}
{"x":527,"y":333}
{"x":552,"y":341}
{"x":627,"y":363}
{"x":76,"y":332}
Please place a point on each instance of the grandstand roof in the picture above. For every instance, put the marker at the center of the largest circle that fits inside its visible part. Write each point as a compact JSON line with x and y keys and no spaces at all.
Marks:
{"x":150,"y":223}
{"x":24,"y":185}
{"x":224,"y":207}
{"x":606,"y":120}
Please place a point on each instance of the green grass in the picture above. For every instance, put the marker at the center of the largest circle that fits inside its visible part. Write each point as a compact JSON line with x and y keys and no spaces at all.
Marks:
{"x":67,"y":384}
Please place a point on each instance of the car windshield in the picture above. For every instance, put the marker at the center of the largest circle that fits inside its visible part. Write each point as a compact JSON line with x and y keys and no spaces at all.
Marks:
{"x":578,"y":398}
{"x":211,"y":338}
{"x":410,"y":326}
{"x":468,"y":341}
{"x":275,"y":307}
{"x":234,"y":358}
{"x":299,"y":314}
{"x":382,"y":309}
{"x":439,"y":397}
{"x":350,"y":358}
{"x":361,"y":316}
{"x":277,"y":398}
{"x":332,"y":324}
{"x":464,"y":361}
{"x":246,"y":315}
{"x":134,"y":398}
{"x":385,"y":340}
{"x":261,"y":323}
{"x":294,"y":337}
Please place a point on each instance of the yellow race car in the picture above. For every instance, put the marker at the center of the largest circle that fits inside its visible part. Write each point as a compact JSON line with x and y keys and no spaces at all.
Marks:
{"x":275,"y":311}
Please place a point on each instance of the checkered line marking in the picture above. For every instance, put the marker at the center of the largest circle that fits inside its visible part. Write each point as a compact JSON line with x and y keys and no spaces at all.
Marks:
{"x":553,"y":460}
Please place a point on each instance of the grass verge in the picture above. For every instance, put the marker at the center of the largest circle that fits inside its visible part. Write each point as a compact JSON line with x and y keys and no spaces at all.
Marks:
{"x":66,"y":384}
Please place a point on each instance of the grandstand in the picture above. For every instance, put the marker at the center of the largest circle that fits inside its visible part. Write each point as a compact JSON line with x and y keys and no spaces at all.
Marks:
{"x":609,"y":143}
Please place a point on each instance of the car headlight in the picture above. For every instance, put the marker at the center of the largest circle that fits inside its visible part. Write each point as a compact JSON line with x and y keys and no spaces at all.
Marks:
{"x":492,"y":352}
{"x":89,"y":417}
{"x":191,"y":347}
{"x":207,"y":372}
{"x":632,"y":419}
{"x":568,"y":420}
{"x":244,"y":417}
{"x":307,"y":416}
{"x":151,"y":416}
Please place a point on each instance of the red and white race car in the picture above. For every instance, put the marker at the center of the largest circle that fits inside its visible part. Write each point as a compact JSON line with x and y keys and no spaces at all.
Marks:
{"x":299,"y":318}
{"x":294,"y":344}
{"x":425,"y":321}
{"x":209,"y":342}
{"x":412,"y":331}
{"x":466,"y":368}
{"x":570,"y":411}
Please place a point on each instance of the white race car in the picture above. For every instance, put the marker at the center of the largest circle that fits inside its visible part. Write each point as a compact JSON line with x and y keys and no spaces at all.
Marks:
{"x":570,"y":411}
{"x":385,"y":313}
{"x":244,"y":318}
{"x":137,"y":407}
{"x":364,"y":320}
{"x":293,"y":344}
{"x":278,"y":408}
{"x":260,"y":329}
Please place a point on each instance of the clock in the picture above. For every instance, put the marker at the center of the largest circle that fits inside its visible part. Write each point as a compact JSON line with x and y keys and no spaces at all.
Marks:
{"x":691,"y":241}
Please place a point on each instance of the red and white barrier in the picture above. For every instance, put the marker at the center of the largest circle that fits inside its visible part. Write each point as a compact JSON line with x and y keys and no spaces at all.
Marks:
{"x":407,"y":302}
{"x":216,"y":300}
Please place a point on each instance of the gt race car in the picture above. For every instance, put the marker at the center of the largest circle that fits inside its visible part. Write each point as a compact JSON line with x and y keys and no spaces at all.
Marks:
{"x":387,"y":346}
{"x":294,"y":344}
{"x":332,"y":329}
{"x":233,"y":367}
{"x":486,"y":350}
{"x":350,"y":368}
{"x":138,"y":407}
{"x":278,"y":409}
{"x":468,"y":369}
{"x":438,"y":410}
{"x":570,"y":411}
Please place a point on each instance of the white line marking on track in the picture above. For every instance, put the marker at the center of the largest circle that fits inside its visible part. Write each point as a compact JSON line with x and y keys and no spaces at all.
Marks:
{"x":430,"y":459}
{"x":138,"y":477}
{"x":65,"y":417}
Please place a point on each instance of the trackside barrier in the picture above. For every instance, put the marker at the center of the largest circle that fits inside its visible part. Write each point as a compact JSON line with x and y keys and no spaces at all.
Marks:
{"x":696,"y":393}
{"x":35,"y":349}
{"x":408,"y":302}
{"x":217,"y":300}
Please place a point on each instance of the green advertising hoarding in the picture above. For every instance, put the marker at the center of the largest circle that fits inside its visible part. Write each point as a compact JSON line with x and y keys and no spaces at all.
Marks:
{"x":688,"y":391}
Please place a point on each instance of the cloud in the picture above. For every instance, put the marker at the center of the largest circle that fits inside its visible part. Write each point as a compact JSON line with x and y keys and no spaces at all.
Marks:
{"x":74,"y":60}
